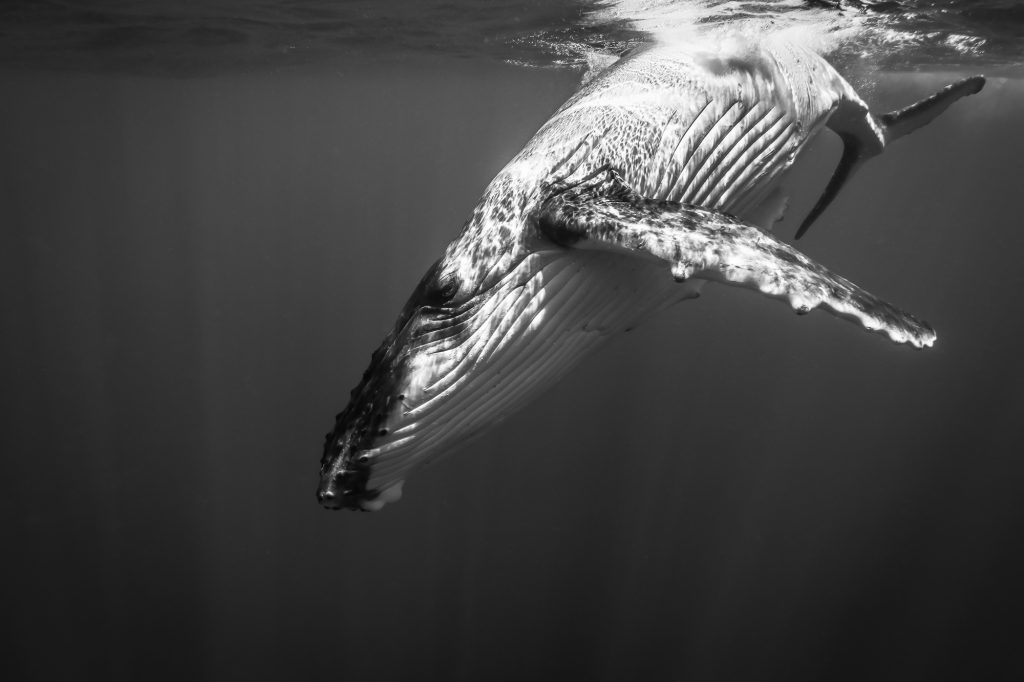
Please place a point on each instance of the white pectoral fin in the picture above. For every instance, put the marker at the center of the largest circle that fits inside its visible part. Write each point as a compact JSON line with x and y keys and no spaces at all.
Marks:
{"x":701,"y":243}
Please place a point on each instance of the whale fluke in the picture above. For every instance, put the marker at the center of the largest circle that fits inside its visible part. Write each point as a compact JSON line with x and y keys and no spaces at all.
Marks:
{"x":861,"y":142}
{"x":708,"y":244}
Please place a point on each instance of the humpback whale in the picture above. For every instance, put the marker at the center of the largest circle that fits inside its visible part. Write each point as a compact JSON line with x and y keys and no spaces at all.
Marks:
{"x":655,"y":177}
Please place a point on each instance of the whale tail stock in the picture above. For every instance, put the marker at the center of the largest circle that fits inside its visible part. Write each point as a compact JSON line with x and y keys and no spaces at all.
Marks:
{"x":865,"y":135}
{"x":603,"y":212}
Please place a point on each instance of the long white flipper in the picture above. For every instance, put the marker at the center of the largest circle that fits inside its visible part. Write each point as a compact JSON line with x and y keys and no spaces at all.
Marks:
{"x":697,"y":242}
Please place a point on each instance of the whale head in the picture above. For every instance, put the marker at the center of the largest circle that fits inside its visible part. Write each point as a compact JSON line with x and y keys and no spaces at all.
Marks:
{"x":374,"y":429}
{"x":485,"y":330}
{"x":439,"y":376}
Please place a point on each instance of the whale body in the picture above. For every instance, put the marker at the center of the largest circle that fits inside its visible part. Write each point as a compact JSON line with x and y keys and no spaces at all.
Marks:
{"x":654,"y":178}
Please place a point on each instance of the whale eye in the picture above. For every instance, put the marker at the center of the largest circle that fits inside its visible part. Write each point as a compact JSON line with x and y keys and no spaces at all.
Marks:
{"x":442,"y":290}
{"x":440,"y":287}
{"x":448,"y":289}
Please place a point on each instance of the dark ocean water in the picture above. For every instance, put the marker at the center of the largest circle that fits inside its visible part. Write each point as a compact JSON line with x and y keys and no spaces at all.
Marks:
{"x":204,"y":233}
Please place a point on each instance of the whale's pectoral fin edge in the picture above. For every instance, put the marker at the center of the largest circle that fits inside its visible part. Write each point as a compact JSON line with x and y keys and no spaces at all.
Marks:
{"x":697,"y":242}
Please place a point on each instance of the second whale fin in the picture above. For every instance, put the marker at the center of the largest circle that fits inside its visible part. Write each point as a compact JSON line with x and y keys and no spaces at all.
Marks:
{"x":896,"y":124}
{"x":866,"y":135}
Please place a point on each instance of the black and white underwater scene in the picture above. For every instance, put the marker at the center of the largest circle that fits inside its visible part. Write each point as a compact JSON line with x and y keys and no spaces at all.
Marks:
{"x":652,"y":340}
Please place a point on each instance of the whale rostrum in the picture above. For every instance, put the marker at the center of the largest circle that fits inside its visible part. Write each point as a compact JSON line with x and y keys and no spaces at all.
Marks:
{"x":657,"y":176}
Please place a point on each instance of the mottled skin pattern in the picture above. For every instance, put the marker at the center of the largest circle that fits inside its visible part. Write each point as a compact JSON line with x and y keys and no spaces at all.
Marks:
{"x":645,"y":165}
{"x":706,"y":244}
{"x":702,"y":129}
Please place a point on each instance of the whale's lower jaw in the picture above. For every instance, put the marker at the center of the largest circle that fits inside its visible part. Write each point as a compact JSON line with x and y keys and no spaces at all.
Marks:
{"x":390,"y":494}
{"x":581,"y":297}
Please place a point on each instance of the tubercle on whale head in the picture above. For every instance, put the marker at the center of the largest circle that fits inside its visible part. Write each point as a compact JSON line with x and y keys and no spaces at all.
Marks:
{"x":344,"y":468}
